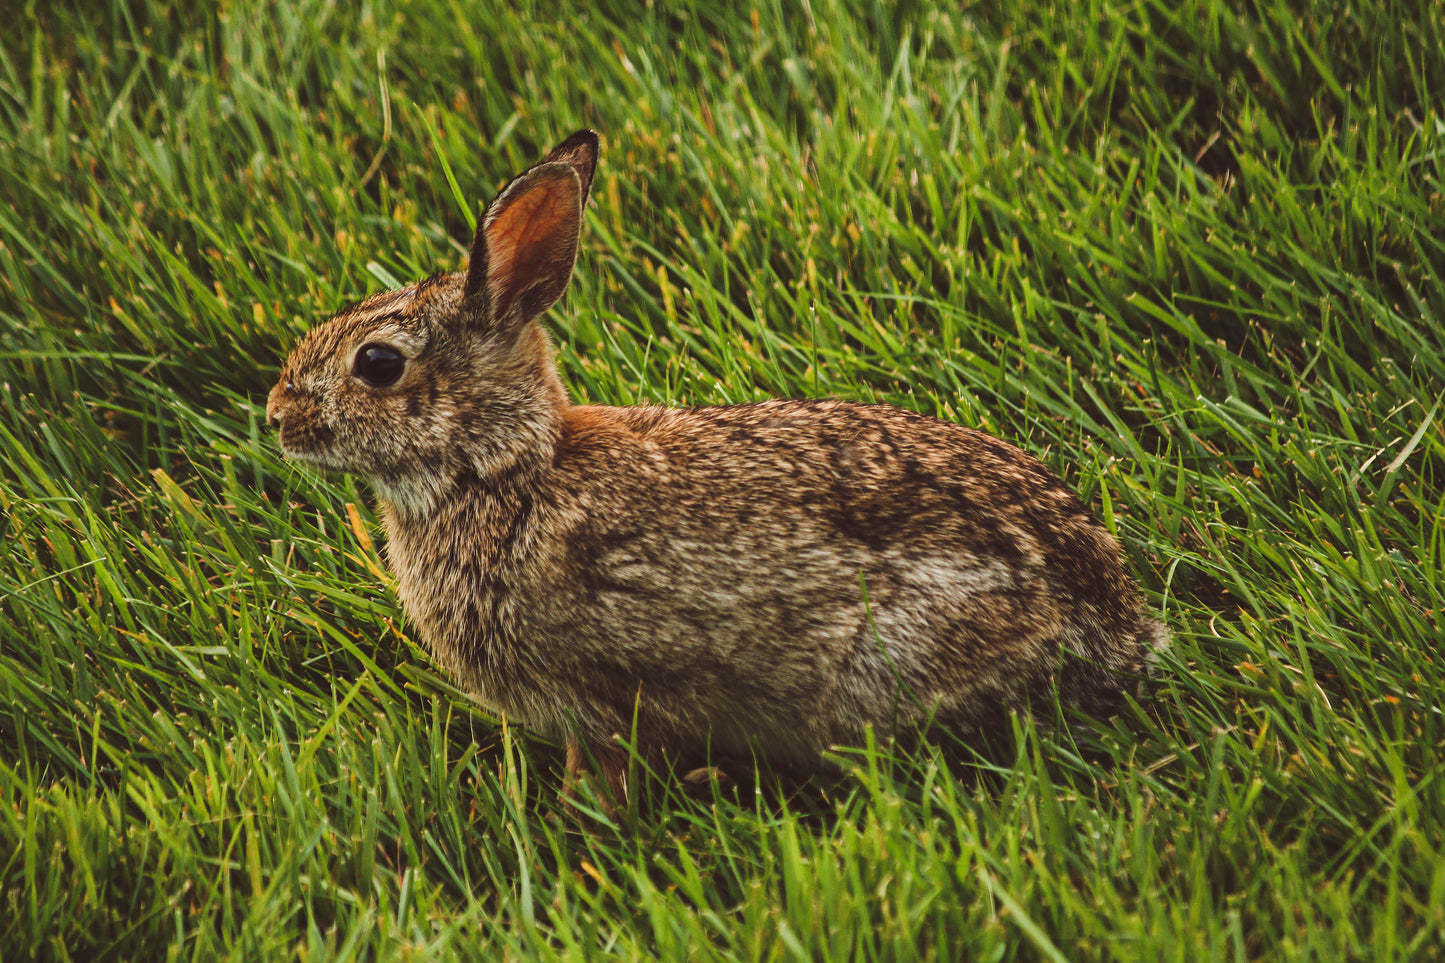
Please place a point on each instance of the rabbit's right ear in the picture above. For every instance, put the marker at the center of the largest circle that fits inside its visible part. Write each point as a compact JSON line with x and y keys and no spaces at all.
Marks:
{"x":526,"y":243}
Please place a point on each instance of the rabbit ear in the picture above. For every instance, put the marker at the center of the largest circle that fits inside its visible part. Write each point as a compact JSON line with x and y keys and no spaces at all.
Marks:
{"x":526,"y":243}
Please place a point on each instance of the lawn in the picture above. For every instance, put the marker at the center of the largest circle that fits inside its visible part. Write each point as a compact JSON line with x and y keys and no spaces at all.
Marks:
{"x":1190,"y":254}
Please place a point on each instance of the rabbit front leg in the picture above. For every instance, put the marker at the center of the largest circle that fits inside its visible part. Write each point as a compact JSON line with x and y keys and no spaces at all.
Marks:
{"x":608,"y":763}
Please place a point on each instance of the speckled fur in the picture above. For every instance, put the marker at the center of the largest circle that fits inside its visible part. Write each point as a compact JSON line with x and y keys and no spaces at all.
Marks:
{"x":700,"y":573}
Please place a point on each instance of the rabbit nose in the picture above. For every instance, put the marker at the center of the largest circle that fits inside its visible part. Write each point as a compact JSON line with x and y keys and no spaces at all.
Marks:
{"x":274,"y":405}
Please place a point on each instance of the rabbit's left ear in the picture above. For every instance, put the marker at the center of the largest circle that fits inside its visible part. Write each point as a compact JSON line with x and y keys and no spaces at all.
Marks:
{"x":526,"y":243}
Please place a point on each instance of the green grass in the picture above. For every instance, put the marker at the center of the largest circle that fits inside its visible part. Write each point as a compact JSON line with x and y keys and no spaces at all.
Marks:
{"x":1191,"y":254}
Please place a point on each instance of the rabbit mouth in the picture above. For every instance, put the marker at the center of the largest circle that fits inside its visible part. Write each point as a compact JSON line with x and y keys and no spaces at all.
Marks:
{"x":316,"y":459}
{"x":312,"y":446}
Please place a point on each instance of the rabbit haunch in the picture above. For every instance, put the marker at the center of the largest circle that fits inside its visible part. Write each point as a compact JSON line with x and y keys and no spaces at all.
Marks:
{"x":771,"y":578}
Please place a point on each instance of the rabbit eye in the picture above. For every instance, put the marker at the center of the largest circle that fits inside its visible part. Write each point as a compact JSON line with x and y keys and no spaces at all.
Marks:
{"x":378,"y":365}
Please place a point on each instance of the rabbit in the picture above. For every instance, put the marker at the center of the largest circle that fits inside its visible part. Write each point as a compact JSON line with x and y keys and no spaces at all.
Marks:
{"x":754,"y":580}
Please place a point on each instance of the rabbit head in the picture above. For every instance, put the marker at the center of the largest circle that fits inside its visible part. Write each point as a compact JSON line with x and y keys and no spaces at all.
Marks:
{"x":411,"y":387}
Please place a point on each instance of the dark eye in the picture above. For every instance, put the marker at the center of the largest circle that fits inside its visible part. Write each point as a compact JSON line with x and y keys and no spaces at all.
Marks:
{"x":378,"y":365}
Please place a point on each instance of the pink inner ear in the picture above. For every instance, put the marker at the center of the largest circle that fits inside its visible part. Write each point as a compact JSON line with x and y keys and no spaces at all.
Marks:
{"x":531,"y":238}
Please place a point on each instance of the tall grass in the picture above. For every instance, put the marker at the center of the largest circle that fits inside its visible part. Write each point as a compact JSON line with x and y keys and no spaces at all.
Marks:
{"x":1191,"y":254}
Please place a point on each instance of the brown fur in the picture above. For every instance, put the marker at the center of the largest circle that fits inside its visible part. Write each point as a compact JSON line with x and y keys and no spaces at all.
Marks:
{"x":766,"y":578}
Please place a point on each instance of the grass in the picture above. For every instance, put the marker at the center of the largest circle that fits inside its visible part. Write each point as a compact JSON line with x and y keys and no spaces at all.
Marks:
{"x":1191,"y":254}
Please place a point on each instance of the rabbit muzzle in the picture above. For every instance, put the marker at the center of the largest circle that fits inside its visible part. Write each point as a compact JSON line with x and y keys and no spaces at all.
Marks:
{"x":303,"y":430}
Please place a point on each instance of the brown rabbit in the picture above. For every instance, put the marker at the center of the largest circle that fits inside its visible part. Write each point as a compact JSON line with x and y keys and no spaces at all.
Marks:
{"x":768,"y":578}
